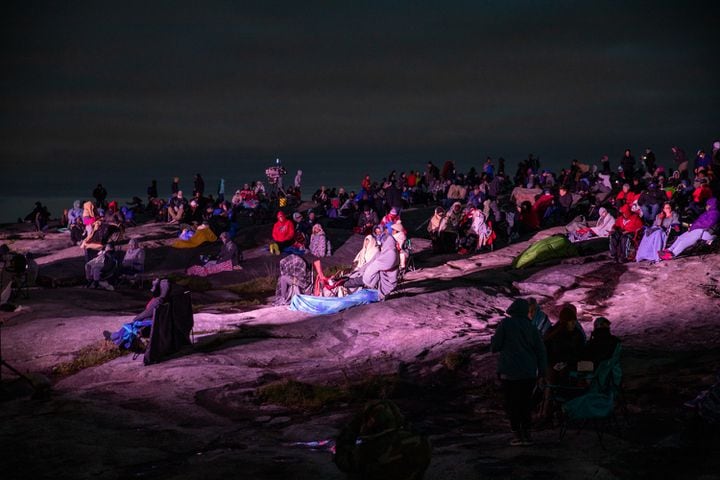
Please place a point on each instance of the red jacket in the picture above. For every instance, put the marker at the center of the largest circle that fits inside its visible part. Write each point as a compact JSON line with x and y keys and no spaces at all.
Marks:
{"x":629,"y":225}
{"x":283,"y":231}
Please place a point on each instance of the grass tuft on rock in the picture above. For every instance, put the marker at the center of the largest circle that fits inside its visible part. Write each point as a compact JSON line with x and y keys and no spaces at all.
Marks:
{"x":299,"y":395}
{"x":89,"y":356}
{"x":260,"y":285}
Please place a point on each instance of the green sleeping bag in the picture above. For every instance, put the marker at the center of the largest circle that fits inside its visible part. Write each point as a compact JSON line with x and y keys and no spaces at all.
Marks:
{"x":557,"y":246}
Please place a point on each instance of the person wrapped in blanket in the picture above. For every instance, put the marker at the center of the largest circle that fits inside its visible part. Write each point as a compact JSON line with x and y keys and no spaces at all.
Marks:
{"x":295,"y":277}
{"x":380,"y":273}
{"x":139,"y":326}
{"x":701,"y":229}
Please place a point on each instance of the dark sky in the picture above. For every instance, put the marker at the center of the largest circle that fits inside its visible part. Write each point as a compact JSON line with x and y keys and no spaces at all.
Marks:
{"x":471,"y":78}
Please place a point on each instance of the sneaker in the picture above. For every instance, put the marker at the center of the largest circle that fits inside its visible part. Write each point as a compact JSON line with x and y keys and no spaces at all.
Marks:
{"x":665,"y":255}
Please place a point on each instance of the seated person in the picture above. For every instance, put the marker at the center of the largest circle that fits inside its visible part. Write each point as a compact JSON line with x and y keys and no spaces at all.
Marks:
{"x":624,"y":231}
{"x":319,"y":244}
{"x":655,"y":237}
{"x":101,"y":267}
{"x":603,"y":227}
{"x":133,"y":262}
{"x":602,"y":343}
{"x":89,"y":216}
{"x":481,"y":230}
{"x":283,"y":234}
{"x":369,"y":249}
{"x":701,"y":229}
{"x":77,"y":231}
{"x":443,"y":240}
{"x":99,"y":234}
{"x":381,"y":272}
{"x":227,"y":260}
{"x":176,"y":208}
{"x":74,"y":213}
{"x":140,"y":324}
{"x":295,"y":278}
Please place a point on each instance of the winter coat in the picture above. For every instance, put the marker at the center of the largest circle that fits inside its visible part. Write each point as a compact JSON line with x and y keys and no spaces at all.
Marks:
{"x":522,"y":353}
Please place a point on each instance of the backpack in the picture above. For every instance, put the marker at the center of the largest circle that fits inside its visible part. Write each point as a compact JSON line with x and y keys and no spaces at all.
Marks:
{"x":379,"y":444}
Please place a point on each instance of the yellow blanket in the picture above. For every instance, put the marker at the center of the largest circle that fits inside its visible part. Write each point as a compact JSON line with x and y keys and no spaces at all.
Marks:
{"x":201,"y":236}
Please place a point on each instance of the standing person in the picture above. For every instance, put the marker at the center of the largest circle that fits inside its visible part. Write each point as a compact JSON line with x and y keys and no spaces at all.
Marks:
{"x":298,"y":179}
{"x":522,"y":362}
{"x":221,"y":190}
{"x":100,"y":194}
{"x":152,"y":191}
{"x":627,"y":162}
{"x":681,"y":161}
{"x":199,"y":185}
{"x":175,"y":185}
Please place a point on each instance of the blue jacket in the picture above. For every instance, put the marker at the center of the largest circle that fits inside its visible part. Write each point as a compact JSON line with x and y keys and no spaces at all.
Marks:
{"x":522,"y":353}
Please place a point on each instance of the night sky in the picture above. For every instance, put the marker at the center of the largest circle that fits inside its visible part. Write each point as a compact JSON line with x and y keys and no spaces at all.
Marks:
{"x":81,"y":80}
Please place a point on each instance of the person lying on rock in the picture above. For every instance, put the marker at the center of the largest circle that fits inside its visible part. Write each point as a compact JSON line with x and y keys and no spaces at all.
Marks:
{"x":227,"y":260}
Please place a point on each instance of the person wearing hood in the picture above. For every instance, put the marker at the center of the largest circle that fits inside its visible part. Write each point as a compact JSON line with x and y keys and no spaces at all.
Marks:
{"x":283,"y":232}
{"x":701,"y":229}
{"x":603,"y":227}
{"x":381,"y":272}
{"x":624,"y":231}
{"x":101,"y":266}
{"x":522,"y":362}
{"x":319,"y":244}
{"x":133,"y":262}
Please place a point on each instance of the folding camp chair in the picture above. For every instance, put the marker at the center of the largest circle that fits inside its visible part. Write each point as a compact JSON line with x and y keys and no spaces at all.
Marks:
{"x":597,"y":404}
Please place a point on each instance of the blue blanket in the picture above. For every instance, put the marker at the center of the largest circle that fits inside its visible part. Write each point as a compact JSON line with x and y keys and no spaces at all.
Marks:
{"x":328,"y":305}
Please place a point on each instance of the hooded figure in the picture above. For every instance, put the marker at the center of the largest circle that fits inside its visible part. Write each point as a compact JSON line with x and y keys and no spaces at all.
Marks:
{"x":283,"y":232}
{"x":381,"y":272}
{"x":522,"y":361}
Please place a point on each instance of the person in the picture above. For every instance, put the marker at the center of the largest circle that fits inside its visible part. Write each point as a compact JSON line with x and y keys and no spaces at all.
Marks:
{"x":624,"y":231}
{"x":627,"y":162}
{"x":295,"y":278}
{"x":199,"y":184}
{"x":283,"y":233}
{"x":367,"y":220}
{"x":603,"y":227}
{"x":681,"y":161}
{"x":175,"y":186}
{"x":655,"y":237}
{"x":74,"y":213}
{"x":480,"y":228}
{"x":539,"y":319}
{"x":228,"y":259}
{"x":522,"y":362}
{"x":39,"y":217}
{"x":298,"y":179}
{"x":102,"y":266}
{"x":650,"y":202}
{"x":100,"y":194}
{"x":319,"y":243}
{"x":133,"y":262}
{"x":701,"y":229}
{"x":176,"y":207}
{"x":141,"y":322}
{"x":602,"y":343}
{"x":369,"y":249}
{"x":152,"y":191}
{"x":380,"y":273}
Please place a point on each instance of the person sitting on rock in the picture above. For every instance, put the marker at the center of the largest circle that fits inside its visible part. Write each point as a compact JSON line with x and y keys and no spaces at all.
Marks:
{"x":367,"y":220}
{"x":319,"y":243}
{"x":283,"y":233}
{"x":294,"y":279}
{"x":380,"y":273}
{"x":176,"y":208}
{"x":101,"y":268}
{"x":704,"y":228}
{"x":39,"y":217}
{"x":625,"y":231}
{"x":133,"y":262}
{"x":227,"y":260}
{"x":74,"y":213}
{"x":603,"y":227}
